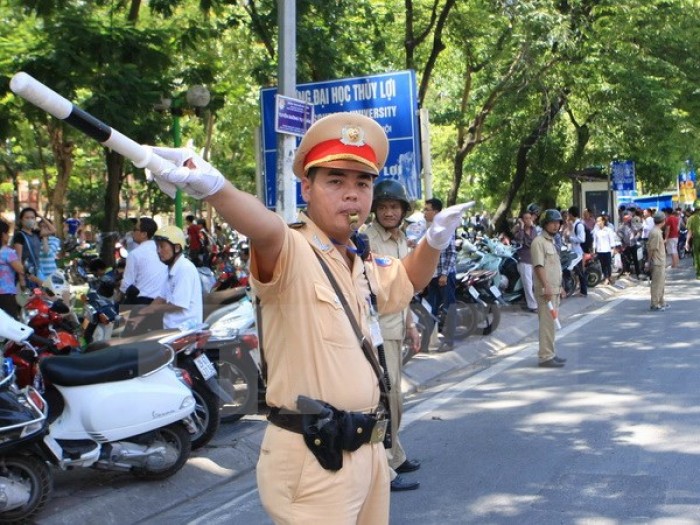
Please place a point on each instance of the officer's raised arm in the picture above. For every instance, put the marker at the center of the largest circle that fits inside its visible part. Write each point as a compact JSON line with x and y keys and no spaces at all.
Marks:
{"x":241,"y":210}
{"x":420,"y":263}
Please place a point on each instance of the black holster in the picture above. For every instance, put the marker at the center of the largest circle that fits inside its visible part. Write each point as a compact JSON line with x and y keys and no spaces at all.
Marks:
{"x":327,"y":431}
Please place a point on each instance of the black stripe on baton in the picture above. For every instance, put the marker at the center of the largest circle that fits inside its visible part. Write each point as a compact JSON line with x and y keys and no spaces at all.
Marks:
{"x":88,"y":124}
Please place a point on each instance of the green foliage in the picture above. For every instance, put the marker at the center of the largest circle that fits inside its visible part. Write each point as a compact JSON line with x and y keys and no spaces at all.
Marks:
{"x":628,"y":68}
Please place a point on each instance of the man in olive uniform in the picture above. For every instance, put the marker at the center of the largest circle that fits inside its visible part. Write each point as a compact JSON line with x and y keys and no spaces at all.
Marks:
{"x":693,"y":226}
{"x":311,"y":347}
{"x":547,"y":268}
{"x":390,"y":205}
{"x":656,"y":249}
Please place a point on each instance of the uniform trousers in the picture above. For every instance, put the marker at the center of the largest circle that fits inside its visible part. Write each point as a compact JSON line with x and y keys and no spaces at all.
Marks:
{"x":392,"y":350}
{"x":658,"y":282}
{"x":546,"y":328}
{"x":296,"y":490}
{"x":696,"y":257}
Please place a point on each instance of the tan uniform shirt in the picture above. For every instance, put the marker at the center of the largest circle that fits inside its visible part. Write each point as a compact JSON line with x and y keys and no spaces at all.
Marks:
{"x":656,"y":245}
{"x":309,"y":344}
{"x":381,"y":242}
{"x":545,"y":254}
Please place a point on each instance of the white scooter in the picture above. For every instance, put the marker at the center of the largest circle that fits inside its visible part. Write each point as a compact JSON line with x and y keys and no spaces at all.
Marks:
{"x":123,"y":408}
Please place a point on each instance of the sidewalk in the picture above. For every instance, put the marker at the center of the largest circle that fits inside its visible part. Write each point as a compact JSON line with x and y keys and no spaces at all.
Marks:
{"x":517,"y":326}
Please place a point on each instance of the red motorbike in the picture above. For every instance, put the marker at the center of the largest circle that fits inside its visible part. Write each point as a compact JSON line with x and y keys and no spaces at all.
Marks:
{"x":54,"y":334}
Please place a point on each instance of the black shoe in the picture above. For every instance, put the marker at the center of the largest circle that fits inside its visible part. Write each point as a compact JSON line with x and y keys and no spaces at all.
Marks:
{"x":551,"y":363}
{"x":399,"y":484}
{"x":560,"y":359}
{"x":408,"y":466}
{"x":445,"y":347}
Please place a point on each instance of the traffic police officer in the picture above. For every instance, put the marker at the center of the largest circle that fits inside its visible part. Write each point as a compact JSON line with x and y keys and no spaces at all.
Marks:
{"x":547,"y":267}
{"x":390,"y":206}
{"x":310,"y":346}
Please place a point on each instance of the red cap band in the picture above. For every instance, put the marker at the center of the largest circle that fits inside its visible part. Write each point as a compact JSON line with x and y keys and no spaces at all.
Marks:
{"x":331,"y":150}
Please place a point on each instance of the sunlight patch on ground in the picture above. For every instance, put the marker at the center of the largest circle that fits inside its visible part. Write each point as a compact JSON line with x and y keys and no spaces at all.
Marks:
{"x":209,"y":466}
{"x":501,"y":504}
{"x":587,"y":399}
{"x":659,"y":438}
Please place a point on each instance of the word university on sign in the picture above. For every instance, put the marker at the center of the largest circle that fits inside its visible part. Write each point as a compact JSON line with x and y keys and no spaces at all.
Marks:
{"x":389,"y":98}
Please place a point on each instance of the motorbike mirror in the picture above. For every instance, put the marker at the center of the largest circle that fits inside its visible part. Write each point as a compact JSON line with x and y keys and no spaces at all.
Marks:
{"x":12,"y":329}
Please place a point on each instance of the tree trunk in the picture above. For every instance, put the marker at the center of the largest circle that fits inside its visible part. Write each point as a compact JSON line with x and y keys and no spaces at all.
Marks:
{"x":115,"y":169}
{"x":63,"y":156}
{"x":500,"y":218}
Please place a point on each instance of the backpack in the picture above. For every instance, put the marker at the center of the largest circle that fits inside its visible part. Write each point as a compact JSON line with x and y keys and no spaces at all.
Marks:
{"x":587,"y":245}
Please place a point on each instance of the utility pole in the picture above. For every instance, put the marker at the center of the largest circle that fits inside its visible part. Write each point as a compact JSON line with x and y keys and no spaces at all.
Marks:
{"x":287,"y":86}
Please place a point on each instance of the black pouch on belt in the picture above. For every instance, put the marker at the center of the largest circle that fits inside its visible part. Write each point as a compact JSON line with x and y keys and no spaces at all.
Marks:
{"x":321,"y":432}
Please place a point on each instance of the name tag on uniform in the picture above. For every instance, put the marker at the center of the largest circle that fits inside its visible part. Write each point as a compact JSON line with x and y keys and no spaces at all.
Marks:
{"x":375,"y":331}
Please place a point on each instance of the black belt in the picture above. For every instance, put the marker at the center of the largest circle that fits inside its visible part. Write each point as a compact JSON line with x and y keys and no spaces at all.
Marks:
{"x":372,"y":428}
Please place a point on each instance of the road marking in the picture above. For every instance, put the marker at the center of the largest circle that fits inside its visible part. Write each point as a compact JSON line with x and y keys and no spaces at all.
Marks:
{"x":433,"y":403}
{"x":209,"y":516}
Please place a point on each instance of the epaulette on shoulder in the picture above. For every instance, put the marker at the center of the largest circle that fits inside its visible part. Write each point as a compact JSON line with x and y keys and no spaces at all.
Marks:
{"x":296,"y":225}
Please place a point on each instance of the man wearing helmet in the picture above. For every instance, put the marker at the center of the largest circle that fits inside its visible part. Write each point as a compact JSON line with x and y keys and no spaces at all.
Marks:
{"x":316,"y":340}
{"x":181,"y":297}
{"x":693,"y":226}
{"x":547,"y":268}
{"x":390,"y":206}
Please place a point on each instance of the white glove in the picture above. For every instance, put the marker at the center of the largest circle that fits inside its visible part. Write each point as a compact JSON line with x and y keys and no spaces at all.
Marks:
{"x":444,"y":225}
{"x":199,"y":182}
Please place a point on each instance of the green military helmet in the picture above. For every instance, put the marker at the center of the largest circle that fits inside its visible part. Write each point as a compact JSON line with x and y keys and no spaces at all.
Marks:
{"x":533,"y":208}
{"x":696,"y":205}
{"x":550,"y":216}
{"x":388,"y":189}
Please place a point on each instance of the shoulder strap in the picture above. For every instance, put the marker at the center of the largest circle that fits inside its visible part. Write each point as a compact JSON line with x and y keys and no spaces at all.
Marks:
{"x":364,"y":343}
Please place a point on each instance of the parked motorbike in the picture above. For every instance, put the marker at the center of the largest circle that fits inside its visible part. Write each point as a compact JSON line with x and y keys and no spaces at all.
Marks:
{"x":682,"y":236}
{"x":190,"y":356}
{"x":26,"y":479}
{"x":593,"y":270}
{"x":101,"y":311}
{"x":478,"y":301}
{"x":55,"y":332}
{"x":569,"y":260}
{"x":125,"y":408}
{"x":233,"y":348}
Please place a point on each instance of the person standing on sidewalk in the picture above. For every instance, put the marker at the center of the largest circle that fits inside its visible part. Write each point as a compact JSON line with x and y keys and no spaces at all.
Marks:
{"x":526,"y":232}
{"x":547,"y":267}
{"x":442,"y":290}
{"x":577,"y":240}
{"x":671,"y":233}
{"x":390,"y":206}
{"x":693,"y":226}
{"x":657,"y":262}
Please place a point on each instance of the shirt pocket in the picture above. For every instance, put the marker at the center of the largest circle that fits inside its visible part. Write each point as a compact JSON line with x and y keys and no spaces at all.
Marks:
{"x":330,"y":313}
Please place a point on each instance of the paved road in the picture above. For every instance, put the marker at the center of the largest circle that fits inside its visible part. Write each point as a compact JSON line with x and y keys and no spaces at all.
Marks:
{"x":608,"y":439}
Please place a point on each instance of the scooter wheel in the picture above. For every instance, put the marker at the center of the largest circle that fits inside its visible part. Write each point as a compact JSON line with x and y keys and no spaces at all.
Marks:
{"x":33,"y":474}
{"x":488,"y":319}
{"x":239,"y":377}
{"x":206,"y":415}
{"x":176,"y":439}
{"x":593,"y":277}
{"x":467,"y":319}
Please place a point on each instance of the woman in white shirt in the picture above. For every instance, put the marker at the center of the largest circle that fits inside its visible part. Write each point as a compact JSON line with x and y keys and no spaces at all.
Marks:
{"x":604,"y":240}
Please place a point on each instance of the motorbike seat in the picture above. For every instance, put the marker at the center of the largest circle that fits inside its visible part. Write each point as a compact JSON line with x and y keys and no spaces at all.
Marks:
{"x":154,"y":335}
{"x":118,"y":363}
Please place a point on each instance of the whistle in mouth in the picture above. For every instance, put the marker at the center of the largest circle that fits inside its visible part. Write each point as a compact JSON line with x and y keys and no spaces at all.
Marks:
{"x":353,"y":219}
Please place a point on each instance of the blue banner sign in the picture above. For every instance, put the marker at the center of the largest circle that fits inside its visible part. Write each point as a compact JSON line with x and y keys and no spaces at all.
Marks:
{"x":623,"y":175}
{"x":293,"y":116}
{"x":388,"y":98}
